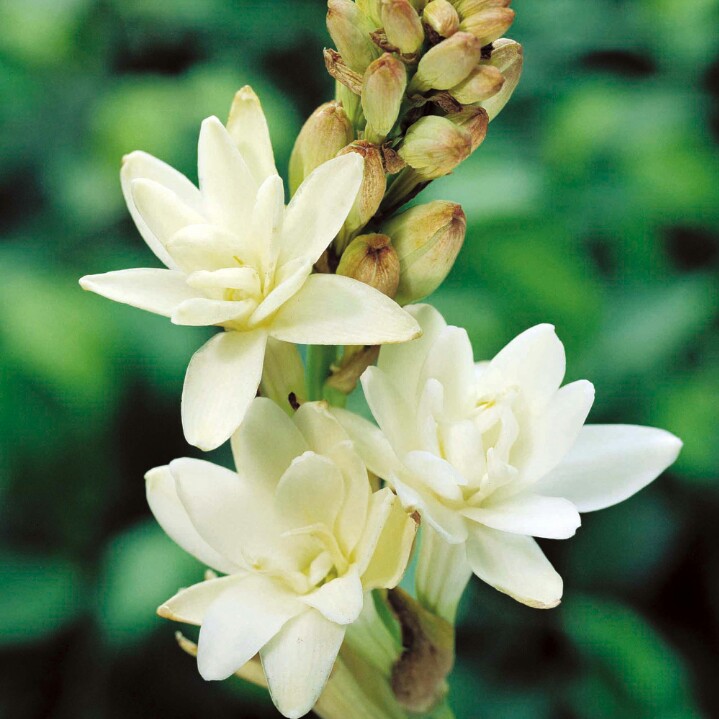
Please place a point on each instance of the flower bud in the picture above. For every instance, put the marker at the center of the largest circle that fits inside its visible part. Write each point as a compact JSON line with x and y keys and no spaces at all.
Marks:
{"x":475,"y":121}
{"x":428,"y":239}
{"x":483,"y":82}
{"x":350,"y":30}
{"x":507,"y":58}
{"x":383,"y":88}
{"x":489,"y":24}
{"x":374,"y":184}
{"x":283,"y":375}
{"x":418,"y":5}
{"x":448,"y":63}
{"x":434,"y":146}
{"x":373,"y":10}
{"x":442,"y":17}
{"x":326,"y":132}
{"x":373,"y":260}
{"x":402,"y":26}
{"x":470,"y":7}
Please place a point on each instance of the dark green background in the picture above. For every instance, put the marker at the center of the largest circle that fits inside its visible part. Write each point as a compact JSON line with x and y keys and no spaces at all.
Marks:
{"x":594,"y":204}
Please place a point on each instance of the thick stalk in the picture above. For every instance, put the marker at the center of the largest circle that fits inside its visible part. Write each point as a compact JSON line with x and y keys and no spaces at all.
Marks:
{"x":319,"y":361}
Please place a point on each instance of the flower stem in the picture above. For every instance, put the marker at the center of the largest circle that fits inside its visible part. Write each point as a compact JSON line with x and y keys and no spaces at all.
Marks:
{"x":319,"y":360}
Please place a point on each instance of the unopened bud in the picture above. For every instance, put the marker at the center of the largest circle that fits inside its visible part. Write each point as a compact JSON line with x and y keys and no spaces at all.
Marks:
{"x":489,"y":24}
{"x":373,"y":10}
{"x":470,"y":7}
{"x":434,"y":146}
{"x":402,"y":26}
{"x":369,"y":197}
{"x":475,"y":121}
{"x":283,"y":375}
{"x":350,"y":30}
{"x":442,"y":17}
{"x":373,"y":260}
{"x":507,"y":57}
{"x":428,"y":239}
{"x":326,"y":132}
{"x":482,"y":83}
{"x":447,"y":64}
{"x":383,"y":88}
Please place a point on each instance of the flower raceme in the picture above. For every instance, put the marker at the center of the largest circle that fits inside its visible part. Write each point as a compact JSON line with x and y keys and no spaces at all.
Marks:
{"x":237,"y":258}
{"x":494,"y":454}
{"x":299,"y":535}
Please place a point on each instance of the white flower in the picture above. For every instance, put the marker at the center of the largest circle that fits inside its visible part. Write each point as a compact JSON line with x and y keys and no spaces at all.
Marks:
{"x":496,"y":453}
{"x":238,"y":259}
{"x":301,"y":538}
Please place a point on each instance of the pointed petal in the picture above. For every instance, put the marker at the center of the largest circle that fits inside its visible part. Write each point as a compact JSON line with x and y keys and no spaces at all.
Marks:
{"x":248,"y":129}
{"x":240,"y":622}
{"x":190,"y":605}
{"x":530,"y":515}
{"x":319,"y":427}
{"x":298,"y":272}
{"x":174,"y":520}
{"x":514,"y":565}
{"x":158,"y":291}
{"x":436,"y":474}
{"x":140,"y":165}
{"x":609,"y":463}
{"x":228,"y":188}
{"x":330,"y":309}
{"x":221,"y":381}
{"x":339,"y":600}
{"x":267,"y":216}
{"x":201,"y":312}
{"x":298,"y":662}
{"x":319,"y":208}
{"x":235,"y":278}
{"x":205,"y":247}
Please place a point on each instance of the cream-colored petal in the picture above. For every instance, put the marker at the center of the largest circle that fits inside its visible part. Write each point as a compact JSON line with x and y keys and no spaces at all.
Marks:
{"x":298,"y":662}
{"x":319,"y":208}
{"x":298,"y":273}
{"x":158,"y":291}
{"x":221,"y":381}
{"x":330,"y":309}
{"x":244,"y":279}
{"x":339,"y":600}
{"x":436,"y":474}
{"x":203,"y":312}
{"x":319,"y":427}
{"x":206,"y":247}
{"x":248,"y":129}
{"x":175,"y":521}
{"x":514,"y":565}
{"x":190,"y":605}
{"x":267,"y":218}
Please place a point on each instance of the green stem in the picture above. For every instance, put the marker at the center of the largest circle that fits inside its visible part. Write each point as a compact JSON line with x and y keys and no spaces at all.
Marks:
{"x":319,"y":360}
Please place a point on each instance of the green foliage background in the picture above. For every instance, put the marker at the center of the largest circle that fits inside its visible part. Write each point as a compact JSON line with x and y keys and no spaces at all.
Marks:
{"x":594,"y":204}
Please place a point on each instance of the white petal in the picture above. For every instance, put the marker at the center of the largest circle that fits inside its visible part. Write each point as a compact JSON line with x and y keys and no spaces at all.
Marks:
{"x":248,"y":129}
{"x":174,"y":520}
{"x":205,"y":247}
{"x":267,"y":217}
{"x":266,"y":443}
{"x":140,"y":165}
{"x":285,"y":290}
{"x":339,"y":600}
{"x":190,"y":605}
{"x":462,"y":446}
{"x":319,"y":427}
{"x":436,"y":474}
{"x":221,"y":381}
{"x":235,"y":278}
{"x":514,"y":565}
{"x":380,"y":507}
{"x":298,"y":662}
{"x":319,"y":208}
{"x":240,"y":622}
{"x":201,"y":312}
{"x":529,"y":514}
{"x":158,"y":291}
{"x":228,"y":188}
{"x":610,"y":463}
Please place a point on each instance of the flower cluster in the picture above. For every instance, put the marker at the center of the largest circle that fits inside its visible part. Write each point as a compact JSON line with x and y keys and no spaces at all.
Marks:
{"x":307,"y":541}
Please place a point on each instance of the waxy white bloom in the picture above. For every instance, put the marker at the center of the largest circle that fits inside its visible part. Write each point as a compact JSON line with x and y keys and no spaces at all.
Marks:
{"x":238,"y":259}
{"x":496,"y":453}
{"x":299,"y":534}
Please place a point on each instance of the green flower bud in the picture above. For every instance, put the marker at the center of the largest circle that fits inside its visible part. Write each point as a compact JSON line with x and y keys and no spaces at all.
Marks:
{"x":434,"y":146}
{"x":428,"y":239}
{"x":475,"y":121}
{"x":373,"y":10}
{"x":448,"y":63}
{"x":327,"y":131}
{"x":402,"y":26}
{"x":482,"y":83}
{"x":507,"y":57}
{"x":350,"y":30}
{"x":383,"y":88}
{"x":442,"y":17}
{"x":373,"y":260}
{"x":489,"y":24}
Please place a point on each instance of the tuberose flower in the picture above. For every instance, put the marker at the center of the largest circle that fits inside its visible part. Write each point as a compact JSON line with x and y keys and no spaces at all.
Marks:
{"x":299,"y":535}
{"x":494,"y":454}
{"x":238,"y":259}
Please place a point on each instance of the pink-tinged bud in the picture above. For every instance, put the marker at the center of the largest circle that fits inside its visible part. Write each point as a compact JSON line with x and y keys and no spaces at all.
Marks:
{"x":327,"y":131}
{"x":434,"y":146}
{"x":475,"y":121}
{"x":373,"y":260}
{"x":488,"y":25}
{"x":350,"y":30}
{"x":383,"y":88}
{"x":508,"y":58}
{"x":442,"y":17}
{"x":470,"y":7}
{"x":428,"y":239}
{"x":447,"y":64}
{"x":402,"y":26}
{"x":481,"y":84}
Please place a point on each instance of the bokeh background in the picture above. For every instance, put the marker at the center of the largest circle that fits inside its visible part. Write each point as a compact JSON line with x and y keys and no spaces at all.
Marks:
{"x":594,"y":204}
